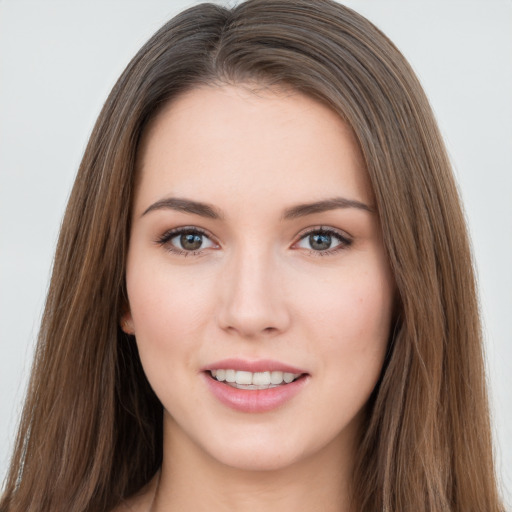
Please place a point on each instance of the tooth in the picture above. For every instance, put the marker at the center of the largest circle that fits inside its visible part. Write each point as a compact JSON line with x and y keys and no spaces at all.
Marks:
{"x":261,"y":378}
{"x":243,"y":377}
{"x":288,"y":377}
{"x":276,"y":377}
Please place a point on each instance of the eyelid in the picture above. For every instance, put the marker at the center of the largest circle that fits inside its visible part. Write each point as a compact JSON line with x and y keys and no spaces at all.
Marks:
{"x":168,"y":235}
{"x":324,"y":228}
{"x":344,"y":238}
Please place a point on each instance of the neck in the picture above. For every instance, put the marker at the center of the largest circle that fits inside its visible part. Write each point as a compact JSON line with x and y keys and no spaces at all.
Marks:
{"x":190,"y":479}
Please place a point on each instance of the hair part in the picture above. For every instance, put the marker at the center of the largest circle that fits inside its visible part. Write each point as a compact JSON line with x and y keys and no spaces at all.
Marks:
{"x":91,"y":430}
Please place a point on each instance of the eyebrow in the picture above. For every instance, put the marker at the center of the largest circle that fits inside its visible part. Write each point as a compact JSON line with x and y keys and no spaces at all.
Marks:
{"x":186,"y":206}
{"x":294,"y":212}
{"x":302,"y":210}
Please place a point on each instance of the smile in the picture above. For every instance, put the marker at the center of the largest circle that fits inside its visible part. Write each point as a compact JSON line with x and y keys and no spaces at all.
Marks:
{"x":253,"y":380}
{"x":254,"y":386}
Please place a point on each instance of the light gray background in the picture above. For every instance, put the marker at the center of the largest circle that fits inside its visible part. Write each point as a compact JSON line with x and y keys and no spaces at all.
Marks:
{"x":58,"y":61}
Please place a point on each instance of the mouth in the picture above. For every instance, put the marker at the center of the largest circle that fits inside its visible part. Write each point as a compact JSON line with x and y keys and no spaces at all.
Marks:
{"x":241,"y":379}
{"x":254,"y":386}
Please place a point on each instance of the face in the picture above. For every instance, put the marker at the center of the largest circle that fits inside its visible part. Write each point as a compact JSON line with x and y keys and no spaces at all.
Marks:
{"x":259,"y":290}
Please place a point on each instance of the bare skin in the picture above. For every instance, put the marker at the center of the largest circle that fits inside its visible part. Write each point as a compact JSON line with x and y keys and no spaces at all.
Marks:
{"x":254,"y":275}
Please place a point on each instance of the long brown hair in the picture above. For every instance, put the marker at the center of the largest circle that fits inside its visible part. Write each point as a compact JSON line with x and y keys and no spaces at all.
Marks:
{"x":91,"y":430}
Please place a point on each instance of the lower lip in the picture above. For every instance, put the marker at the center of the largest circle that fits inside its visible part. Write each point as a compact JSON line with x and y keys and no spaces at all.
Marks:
{"x":254,"y":400}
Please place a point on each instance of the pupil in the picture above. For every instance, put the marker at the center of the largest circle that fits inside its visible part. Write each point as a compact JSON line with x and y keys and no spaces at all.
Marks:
{"x":191,"y":241}
{"x":320,"y":241}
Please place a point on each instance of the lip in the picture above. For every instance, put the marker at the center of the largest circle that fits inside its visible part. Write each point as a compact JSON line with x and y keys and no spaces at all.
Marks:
{"x":254,"y":401}
{"x":261,"y":365}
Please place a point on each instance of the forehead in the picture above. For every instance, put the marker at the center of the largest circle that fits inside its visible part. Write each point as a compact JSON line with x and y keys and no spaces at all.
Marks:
{"x":220,"y":141}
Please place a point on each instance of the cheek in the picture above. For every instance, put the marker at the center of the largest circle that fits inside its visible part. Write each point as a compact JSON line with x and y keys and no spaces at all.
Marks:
{"x":168,"y":306}
{"x":349,"y":317}
{"x":352,"y":309}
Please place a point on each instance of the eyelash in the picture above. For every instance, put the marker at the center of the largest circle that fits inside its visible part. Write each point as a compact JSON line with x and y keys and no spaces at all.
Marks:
{"x":344,"y":240}
{"x":164,"y":240}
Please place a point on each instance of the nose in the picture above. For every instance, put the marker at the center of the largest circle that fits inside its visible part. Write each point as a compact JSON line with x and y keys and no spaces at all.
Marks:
{"x":253,"y":300}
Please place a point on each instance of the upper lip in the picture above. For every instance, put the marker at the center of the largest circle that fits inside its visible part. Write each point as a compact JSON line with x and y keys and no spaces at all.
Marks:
{"x":260,"y":365}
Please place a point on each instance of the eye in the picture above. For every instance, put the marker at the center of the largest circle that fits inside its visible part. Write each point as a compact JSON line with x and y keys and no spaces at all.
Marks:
{"x":323,"y":241}
{"x":186,"y":241}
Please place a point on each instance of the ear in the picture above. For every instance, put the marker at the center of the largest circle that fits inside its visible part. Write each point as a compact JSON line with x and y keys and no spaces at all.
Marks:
{"x":126,"y":323}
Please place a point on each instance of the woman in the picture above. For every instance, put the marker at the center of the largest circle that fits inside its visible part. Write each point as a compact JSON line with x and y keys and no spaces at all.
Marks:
{"x":272,"y":297}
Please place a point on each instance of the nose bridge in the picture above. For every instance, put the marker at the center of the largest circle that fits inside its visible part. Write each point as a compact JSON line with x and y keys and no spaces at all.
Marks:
{"x":252,"y":300}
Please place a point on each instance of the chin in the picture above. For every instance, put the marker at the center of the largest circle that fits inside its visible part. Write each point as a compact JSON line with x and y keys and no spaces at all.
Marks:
{"x":257,"y":460}
{"x":255,"y":451}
